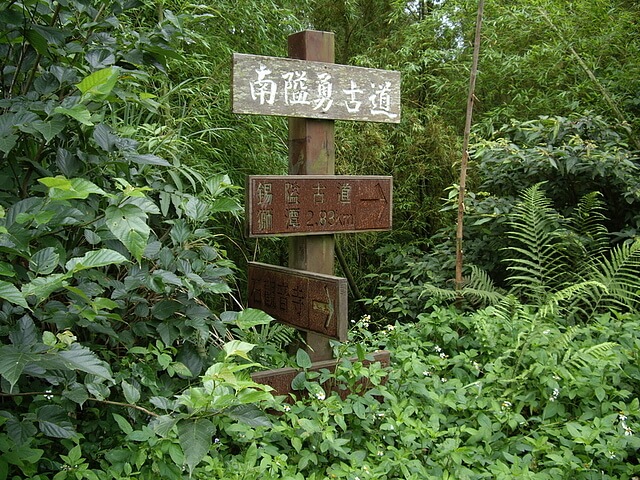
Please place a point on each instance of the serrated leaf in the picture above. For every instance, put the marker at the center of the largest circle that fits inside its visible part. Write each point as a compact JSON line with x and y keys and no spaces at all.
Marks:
{"x":163,"y":424}
{"x":44,"y":261}
{"x":251,"y":317}
{"x":54,"y":422}
{"x":129,"y":225}
{"x":131,"y":392}
{"x":10,"y":293}
{"x":95,"y":259}
{"x":20,"y":431}
{"x":12,"y":363}
{"x":77,"y":393}
{"x":42,"y":287}
{"x":81,"y":358}
{"x":100,"y":83}
{"x":224,"y":204}
{"x":24,"y":333}
{"x":195,"y":438}
{"x":238,"y":348}
{"x":105,"y":138}
{"x":122,"y":422}
{"x":249,"y":415}
{"x":303,"y":360}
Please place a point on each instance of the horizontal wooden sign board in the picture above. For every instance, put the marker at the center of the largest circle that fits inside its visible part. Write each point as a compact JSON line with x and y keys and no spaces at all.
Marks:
{"x":309,"y":301}
{"x":317,"y":204}
{"x":301,"y":88}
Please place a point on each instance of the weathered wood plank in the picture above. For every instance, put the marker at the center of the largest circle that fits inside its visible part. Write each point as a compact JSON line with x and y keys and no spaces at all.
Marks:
{"x":312,"y":302}
{"x":280,"y":379}
{"x":317,"y":204}
{"x":307,"y":89}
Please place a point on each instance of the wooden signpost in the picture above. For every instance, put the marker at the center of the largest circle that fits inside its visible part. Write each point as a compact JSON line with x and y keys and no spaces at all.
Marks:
{"x":311,"y":203}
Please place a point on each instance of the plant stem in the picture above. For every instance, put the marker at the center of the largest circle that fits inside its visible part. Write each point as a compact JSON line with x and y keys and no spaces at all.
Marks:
{"x":465,"y":146}
{"x":107,"y":402}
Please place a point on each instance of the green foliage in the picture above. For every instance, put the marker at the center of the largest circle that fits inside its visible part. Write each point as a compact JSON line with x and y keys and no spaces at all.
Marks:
{"x":497,"y":393}
{"x":111,"y":270}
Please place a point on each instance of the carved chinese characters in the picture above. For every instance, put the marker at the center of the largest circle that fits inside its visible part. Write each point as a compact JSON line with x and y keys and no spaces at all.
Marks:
{"x":309,"y":301}
{"x":318,"y":204}
{"x":297,"y":88}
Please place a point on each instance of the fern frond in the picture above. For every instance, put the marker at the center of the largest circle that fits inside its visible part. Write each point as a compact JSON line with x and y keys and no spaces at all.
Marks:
{"x":430,"y":290}
{"x":586,"y":357}
{"x":564,"y":342}
{"x":620,"y":274}
{"x":552,"y":306}
{"x":536,"y":265}
{"x":480,"y":288}
{"x":587,"y":221}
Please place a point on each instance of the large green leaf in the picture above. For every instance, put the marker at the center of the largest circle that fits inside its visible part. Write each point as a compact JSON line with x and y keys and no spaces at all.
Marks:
{"x":249,"y":415}
{"x":7,"y":142}
{"x":50,"y":128}
{"x":62,"y":188}
{"x":303,"y":360}
{"x":42,"y":287}
{"x":129,"y":225}
{"x":195,"y":439}
{"x":53,"y":421}
{"x":99,"y":84}
{"x":78,"y":112}
{"x":12,"y":363}
{"x":10,"y":293}
{"x":238,"y":348}
{"x":252,"y":317}
{"x":95,"y":259}
{"x":83,"y":359}
{"x":44,"y":261}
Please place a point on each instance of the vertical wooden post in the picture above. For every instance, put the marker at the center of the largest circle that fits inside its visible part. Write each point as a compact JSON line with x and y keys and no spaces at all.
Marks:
{"x":312,"y":152}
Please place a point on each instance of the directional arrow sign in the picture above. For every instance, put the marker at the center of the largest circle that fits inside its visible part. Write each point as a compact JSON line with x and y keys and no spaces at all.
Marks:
{"x":305,"y":300}
{"x":317,"y":204}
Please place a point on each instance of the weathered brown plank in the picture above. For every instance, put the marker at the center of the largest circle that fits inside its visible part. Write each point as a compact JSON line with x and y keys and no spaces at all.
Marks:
{"x":312,"y":151}
{"x":309,"y":301}
{"x":317,"y":204}
{"x":309,"y":89}
{"x":280,"y":379}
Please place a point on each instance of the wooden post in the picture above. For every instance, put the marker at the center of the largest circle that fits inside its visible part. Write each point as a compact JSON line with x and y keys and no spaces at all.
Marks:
{"x":312,"y":152}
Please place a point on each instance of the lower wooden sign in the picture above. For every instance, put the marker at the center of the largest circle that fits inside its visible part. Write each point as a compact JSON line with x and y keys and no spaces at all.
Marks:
{"x":280,"y":379}
{"x":309,"y":301}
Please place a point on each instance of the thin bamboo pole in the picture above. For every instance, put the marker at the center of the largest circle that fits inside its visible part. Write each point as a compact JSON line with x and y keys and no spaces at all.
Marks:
{"x":465,"y":147}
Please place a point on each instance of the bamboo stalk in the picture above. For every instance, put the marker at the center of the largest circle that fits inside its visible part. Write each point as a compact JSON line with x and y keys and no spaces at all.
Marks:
{"x":465,"y":147}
